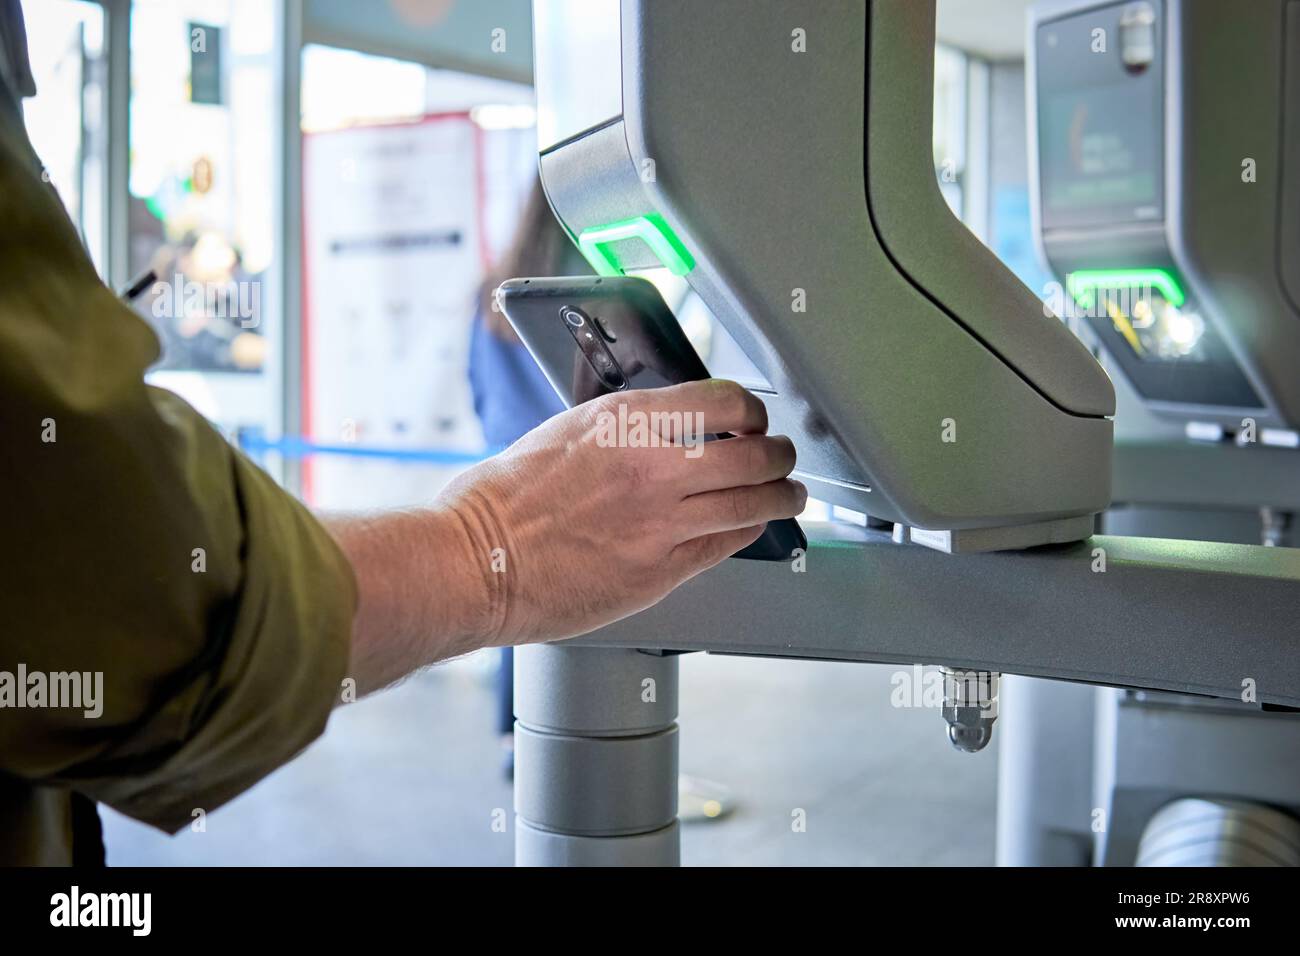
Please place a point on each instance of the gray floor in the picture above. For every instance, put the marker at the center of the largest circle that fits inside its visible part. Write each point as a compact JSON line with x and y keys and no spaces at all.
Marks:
{"x":412,"y":777}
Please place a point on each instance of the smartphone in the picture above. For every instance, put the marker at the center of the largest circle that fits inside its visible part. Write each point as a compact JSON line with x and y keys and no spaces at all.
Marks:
{"x":595,"y":335}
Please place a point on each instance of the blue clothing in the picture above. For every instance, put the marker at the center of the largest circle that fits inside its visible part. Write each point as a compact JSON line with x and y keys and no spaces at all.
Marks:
{"x":511,"y":398}
{"x":511,"y":395}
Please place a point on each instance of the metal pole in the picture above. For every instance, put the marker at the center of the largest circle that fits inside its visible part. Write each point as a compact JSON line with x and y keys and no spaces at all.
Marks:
{"x":595,"y":757}
{"x":287,"y":271}
{"x":117,"y":178}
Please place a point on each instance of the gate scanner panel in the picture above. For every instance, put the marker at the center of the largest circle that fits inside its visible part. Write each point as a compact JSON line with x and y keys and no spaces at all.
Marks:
{"x":812,"y":226}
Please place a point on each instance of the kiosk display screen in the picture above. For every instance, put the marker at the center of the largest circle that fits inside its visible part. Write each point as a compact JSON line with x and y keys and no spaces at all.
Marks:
{"x":1100,"y":123}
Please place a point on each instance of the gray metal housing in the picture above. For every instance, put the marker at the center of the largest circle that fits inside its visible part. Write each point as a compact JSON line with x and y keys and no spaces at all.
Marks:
{"x":811,"y":173}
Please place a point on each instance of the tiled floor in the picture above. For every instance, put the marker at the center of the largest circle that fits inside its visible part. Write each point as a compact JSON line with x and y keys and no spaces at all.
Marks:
{"x":413,"y":776}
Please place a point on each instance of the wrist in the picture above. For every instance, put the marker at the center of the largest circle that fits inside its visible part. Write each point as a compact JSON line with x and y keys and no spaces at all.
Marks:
{"x":473,"y":558}
{"x":424,"y":586}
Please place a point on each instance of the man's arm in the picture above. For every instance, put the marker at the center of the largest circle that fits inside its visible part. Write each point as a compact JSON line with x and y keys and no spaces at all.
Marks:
{"x":560,"y":534}
{"x":218,"y":615}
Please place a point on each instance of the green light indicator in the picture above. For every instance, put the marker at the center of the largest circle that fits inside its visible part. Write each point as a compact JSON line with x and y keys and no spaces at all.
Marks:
{"x":1083,"y":285}
{"x":651,"y":229}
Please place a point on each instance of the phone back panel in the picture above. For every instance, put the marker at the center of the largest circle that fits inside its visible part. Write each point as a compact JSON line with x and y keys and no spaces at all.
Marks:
{"x":627,"y":314}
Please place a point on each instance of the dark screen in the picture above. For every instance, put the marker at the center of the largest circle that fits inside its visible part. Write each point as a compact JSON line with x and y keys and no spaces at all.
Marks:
{"x":1100,"y":123}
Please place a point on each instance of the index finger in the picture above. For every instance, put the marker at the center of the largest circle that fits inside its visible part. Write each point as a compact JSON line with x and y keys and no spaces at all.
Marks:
{"x":722,"y":405}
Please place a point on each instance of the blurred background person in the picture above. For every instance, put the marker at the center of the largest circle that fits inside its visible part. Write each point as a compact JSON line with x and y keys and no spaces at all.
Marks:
{"x":511,"y":395}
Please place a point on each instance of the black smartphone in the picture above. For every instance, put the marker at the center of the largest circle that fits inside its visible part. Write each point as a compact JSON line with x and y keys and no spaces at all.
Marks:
{"x":592,"y":336}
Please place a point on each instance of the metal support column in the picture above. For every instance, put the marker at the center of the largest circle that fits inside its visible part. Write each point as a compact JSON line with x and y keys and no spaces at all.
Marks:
{"x":117,"y":246}
{"x":595,"y":757}
{"x":286,"y":271}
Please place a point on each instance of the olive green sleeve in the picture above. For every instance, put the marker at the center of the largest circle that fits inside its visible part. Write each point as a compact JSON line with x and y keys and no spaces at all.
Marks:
{"x":140,"y":547}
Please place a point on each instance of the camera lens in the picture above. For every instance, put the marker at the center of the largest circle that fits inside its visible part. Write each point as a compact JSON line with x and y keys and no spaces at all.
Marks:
{"x":575,"y":318}
{"x":604,"y":329}
{"x":602,"y":359}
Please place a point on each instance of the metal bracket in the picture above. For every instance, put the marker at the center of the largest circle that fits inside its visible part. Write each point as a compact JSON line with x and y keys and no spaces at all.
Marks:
{"x":1186,"y":616}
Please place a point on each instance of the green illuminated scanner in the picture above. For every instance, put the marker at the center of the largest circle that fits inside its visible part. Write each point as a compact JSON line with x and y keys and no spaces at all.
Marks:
{"x":598,"y":244}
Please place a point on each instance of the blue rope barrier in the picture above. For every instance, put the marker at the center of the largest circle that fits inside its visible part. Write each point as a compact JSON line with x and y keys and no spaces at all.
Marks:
{"x":253,"y":443}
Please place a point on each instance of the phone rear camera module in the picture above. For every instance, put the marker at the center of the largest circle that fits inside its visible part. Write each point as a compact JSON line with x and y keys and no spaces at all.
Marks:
{"x":573,"y":317}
